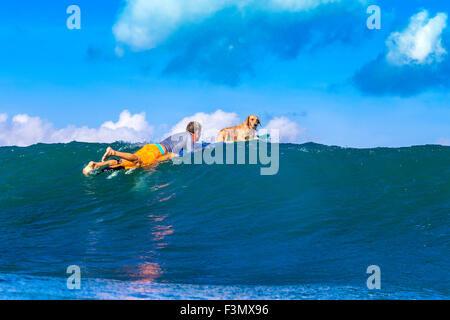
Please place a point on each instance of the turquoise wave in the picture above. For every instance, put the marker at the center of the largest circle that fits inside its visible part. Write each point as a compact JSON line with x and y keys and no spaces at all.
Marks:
{"x":327,"y":215}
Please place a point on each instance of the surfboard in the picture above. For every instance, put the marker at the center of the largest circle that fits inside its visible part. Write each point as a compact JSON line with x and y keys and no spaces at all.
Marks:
{"x":264,"y":136}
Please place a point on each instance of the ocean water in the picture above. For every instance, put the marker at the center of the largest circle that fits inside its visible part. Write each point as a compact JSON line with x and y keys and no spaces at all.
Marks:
{"x":225,"y":231}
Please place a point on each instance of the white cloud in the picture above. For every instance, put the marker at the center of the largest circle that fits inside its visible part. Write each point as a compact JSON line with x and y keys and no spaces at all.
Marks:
{"x":211,"y":123}
{"x":288,"y":130}
{"x":119,"y":51}
{"x":24,"y":130}
{"x":3,"y":117}
{"x":420,"y":42}
{"x":136,"y":122}
{"x":144,"y":24}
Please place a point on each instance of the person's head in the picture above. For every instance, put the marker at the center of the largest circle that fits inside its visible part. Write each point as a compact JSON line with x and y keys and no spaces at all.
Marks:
{"x":195,"y":128}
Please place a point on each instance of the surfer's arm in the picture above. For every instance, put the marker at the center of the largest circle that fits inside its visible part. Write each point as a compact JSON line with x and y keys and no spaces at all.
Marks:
{"x":168,"y":156}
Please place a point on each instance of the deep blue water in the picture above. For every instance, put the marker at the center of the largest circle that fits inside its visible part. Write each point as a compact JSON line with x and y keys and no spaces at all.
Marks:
{"x":225,"y":231}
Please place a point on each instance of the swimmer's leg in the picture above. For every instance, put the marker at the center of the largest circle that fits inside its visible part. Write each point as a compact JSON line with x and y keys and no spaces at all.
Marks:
{"x":110,"y":152}
{"x":95,"y":165}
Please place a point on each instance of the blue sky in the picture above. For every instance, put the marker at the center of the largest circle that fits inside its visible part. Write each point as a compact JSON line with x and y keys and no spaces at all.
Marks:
{"x":312,"y":63}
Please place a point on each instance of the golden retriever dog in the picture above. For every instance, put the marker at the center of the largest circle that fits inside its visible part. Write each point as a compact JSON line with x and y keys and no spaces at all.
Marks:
{"x":242,"y":132}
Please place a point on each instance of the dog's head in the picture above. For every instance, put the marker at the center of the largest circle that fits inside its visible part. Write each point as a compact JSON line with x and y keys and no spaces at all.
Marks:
{"x":252,"y":122}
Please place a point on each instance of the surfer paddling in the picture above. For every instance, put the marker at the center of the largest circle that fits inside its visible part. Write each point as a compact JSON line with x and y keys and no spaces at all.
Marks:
{"x":150,"y":153}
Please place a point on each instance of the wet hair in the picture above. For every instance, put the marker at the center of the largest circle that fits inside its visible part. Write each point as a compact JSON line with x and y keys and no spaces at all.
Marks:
{"x":193,"y":126}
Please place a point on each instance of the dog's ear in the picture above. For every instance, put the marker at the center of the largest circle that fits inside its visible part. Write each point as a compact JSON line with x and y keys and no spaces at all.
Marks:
{"x":247,"y":122}
{"x":259,"y":122}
